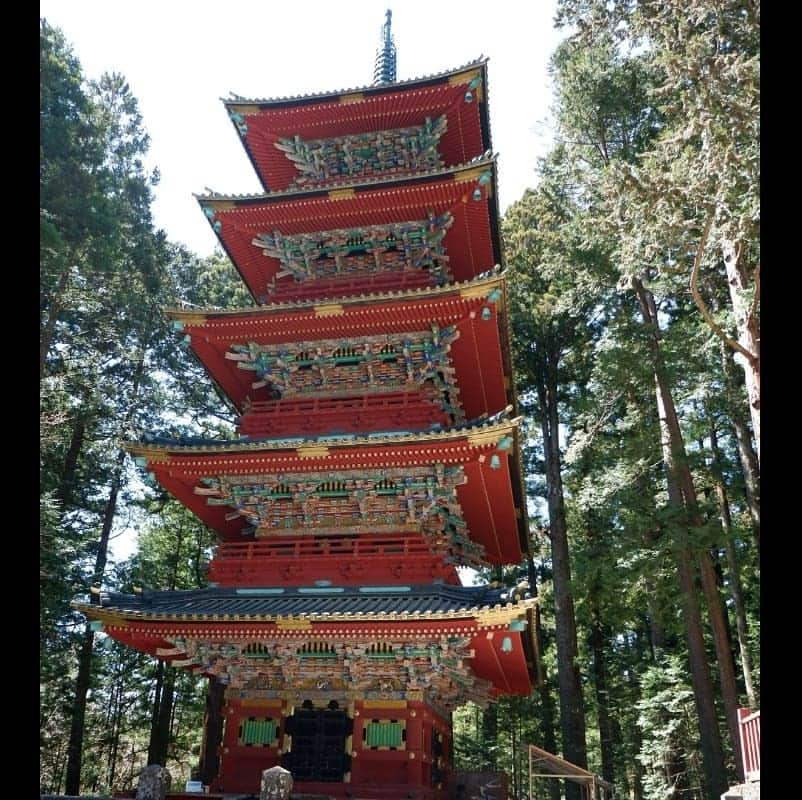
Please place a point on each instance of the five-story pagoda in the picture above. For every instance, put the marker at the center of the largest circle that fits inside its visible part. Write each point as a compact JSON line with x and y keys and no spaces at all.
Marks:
{"x":377,"y":449}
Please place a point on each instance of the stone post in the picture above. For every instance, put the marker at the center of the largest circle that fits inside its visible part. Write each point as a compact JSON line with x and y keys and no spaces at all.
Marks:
{"x":276,"y":784}
{"x":154,"y":782}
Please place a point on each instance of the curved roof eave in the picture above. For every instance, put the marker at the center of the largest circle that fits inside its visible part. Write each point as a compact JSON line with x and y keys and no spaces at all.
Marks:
{"x":380,"y":88}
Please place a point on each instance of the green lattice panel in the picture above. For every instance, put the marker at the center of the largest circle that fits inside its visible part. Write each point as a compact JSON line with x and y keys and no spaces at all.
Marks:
{"x":258,"y":732}
{"x":384,"y":734}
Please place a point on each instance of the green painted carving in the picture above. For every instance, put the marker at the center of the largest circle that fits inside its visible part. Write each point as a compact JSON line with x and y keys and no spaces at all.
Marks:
{"x":419,"y":499}
{"x":323,"y":161}
{"x":258,"y":731}
{"x":368,"y":250}
{"x":383,"y":734}
{"x":439,"y":668}
{"x":363,"y":365}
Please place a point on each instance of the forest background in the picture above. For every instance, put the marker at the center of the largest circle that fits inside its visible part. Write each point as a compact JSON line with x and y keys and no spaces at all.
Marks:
{"x":633,"y":271}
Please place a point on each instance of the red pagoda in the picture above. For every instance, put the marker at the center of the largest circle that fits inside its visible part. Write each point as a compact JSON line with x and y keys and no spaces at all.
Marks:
{"x":378,"y":449}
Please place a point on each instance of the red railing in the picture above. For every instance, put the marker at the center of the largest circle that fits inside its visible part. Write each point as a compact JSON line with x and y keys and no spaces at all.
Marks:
{"x":749,"y":728}
{"x":364,"y":547}
{"x":298,"y":560}
{"x":408,"y":410}
{"x":345,"y":287}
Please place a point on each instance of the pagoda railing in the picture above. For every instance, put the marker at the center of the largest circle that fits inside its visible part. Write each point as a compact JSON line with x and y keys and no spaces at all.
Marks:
{"x":362,"y":547}
{"x":749,"y":729}
{"x":324,"y":404}
{"x":247,"y":563}
{"x":391,"y":410}
{"x":291,"y":290}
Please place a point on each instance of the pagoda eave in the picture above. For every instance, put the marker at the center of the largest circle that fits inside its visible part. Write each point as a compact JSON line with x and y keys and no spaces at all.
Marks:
{"x":487,"y":455}
{"x":476,"y":309}
{"x":500,"y":639}
{"x":316,"y":97}
{"x":467,"y":194}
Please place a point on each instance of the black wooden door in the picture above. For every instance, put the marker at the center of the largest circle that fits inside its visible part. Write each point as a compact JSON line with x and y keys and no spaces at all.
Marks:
{"x":318,"y":744}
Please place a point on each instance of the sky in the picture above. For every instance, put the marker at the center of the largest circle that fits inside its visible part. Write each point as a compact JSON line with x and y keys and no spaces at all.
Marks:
{"x":181,"y":56}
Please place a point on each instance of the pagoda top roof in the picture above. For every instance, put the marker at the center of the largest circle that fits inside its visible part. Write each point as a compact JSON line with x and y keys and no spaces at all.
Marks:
{"x":346,"y":603}
{"x":370,"y":89}
{"x":455,"y":99}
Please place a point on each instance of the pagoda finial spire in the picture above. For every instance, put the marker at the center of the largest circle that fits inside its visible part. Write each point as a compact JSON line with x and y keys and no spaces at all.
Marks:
{"x":384,"y":71}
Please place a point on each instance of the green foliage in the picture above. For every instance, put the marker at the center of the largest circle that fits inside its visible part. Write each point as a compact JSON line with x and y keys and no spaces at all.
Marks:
{"x":110,"y":369}
{"x":669,"y":733}
{"x":174,"y":548}
{"x":643,"y":97}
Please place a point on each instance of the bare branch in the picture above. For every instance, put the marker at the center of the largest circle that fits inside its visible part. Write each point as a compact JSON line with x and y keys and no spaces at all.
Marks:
{"x":700,"y":303}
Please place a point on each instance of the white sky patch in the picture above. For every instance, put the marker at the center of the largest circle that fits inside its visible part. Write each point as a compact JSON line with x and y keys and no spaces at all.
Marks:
{"x":181,"y":56}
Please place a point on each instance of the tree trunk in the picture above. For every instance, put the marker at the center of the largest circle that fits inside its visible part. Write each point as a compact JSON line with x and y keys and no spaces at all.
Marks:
{"x":597,"y":639}
{"x":212,"y":732}
{"x":673,"y":455}
{"x":67,"y":484}
{"x":53,"y":311}
{"x":154,"y":713}
{"x":657,"y":638}
{"x":746,"y":453}
{"x":726,"y":667}
{"x":114,"y":724}
{"x":747,"y":326}
{"x":572,"y":711}
{"x":75,"y":747}
{"x":490,"y":735}
{"x":513,"y":749}
{"x":732,"y":566}
{"x":76,"y":741}
{"x":549,"y":739}
{"x":160,"y":736}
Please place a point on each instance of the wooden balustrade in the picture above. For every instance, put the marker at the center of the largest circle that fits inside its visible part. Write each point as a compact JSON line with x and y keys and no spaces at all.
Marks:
{"x":749,"y":729}
{"x":383,"y":411}
{"x":350,"y":286}
{"x":363,"y":547}
{"x":377,"y":559}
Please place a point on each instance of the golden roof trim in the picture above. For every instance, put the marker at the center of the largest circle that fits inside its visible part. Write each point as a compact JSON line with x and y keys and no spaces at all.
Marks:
{"x":223,"y":204}
{"x":476,"y":437}
{"x":384,"y":183}
{"x":329,"y":309}
{"x":476,"y":287}
{"x":326,"y":96}
{"x":293,"y":623}
{"x":464,"y":77}
{"x":312,"y":451}
{"x":352,"y":97}
{"x":341,"y":194}
{"x":468,"y":175}
{"x":501,"y":615}
{"x":107,"y":617}
{"x":484,"y":616}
